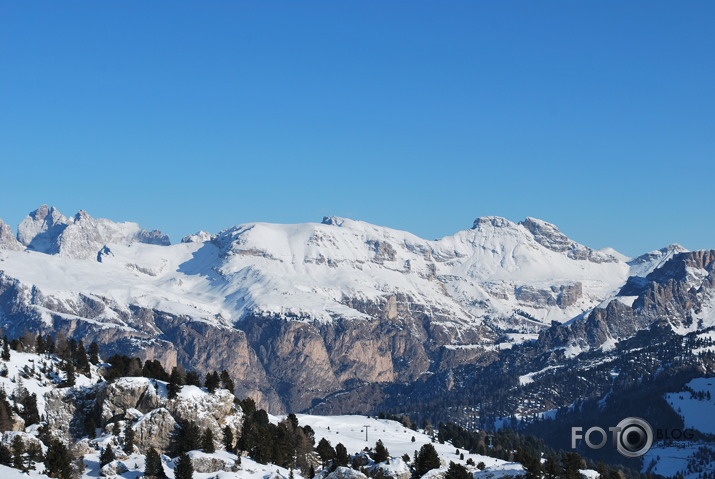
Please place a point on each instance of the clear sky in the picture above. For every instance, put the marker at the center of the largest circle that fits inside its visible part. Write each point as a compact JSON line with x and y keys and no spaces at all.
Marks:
{"x":598,"y":116}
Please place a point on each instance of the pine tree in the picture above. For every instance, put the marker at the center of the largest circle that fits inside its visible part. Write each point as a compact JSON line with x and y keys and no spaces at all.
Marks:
{"x":94,"y":353}
{"x":531,"y":463}
{"x":212,"y":381}
{"x":184,"y":469}
{"x":228,"y":439}
{"x":570,"y":466}
{"x":40,"y":344}
{"x":381,"y":452}
{"x":69,"y":374}
{"x":18,"y":449}
{"x":193,"y":379}
{"x":30,"y":413}
{"x":5,"y":455}
{"x":427,"y":459}
{"x":457,"y":471}
{"x":5,"y":350}
{"x":49,"y":345}
{"x":189,"y":437}
{"x":325,"y":451}
{"x":227,"y":382}
{"x":58,"y":461}
{"x":106,"y":456}
{"x":129,"y":439}
{"x":207,"y":441}
{"x":80,"y":358}
{"x":341,"y":455}
{"x":175,"y":383}
{"x":153,"y":468}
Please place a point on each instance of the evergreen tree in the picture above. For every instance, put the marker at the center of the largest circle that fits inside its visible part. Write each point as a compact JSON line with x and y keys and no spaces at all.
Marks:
{"x":69,"y":374}
{"x":58,"y":461}
{"x":34,"y":452}
{"x":5,"y":455}
{"x":531,"y":463}
{"x":427,"y":459}
{"x":228,"y":439}
{"x":49,"y":345}
{"x":457,"y":471}
{"x":30,"y":413}
{"x":94,"y":353}
{"x":5,"y":350}
{"x":193,"y":379}
{"x":80,"y":358}
{"x":153,"y":468}
{"x":106,"y":456}
{"x":18,"y":449}
{"x":129,"y":439}
{"x":325,"y":451}
{"x":40,"y":344}
{"x":381,"y":453}
{"x":207,"y":441}
{"x":189,"y":437}
{"x":212,"y":381}
{"x":153,"y":369}
{"x":570,"y":466}
{"x":341,"y":455}
{"x":184,"y":469}
{"x":175,"y":383}
{"x":227,"y":382}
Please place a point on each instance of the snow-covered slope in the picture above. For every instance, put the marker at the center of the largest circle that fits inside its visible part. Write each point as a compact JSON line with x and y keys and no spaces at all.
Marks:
{"x":497,"y":269}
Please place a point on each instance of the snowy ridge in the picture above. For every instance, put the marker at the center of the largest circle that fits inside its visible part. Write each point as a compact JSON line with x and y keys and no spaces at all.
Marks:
{"x":496,"y":271}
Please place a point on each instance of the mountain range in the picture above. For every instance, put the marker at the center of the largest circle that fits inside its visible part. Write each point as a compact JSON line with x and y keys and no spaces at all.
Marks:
{"x":300,"y":314}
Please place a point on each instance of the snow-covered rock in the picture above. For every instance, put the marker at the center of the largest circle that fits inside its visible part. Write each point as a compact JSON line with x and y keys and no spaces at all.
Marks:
{"x":199,"y":237}
{"x":341,"y":472}
{"x":125,"y":394}
{"x":208,"y":463}
{"x":7,"y":238}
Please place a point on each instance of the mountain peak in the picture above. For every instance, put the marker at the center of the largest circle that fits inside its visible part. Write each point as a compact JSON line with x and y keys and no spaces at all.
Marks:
{"x":7,"y":238}
{"x":495,"y":221}
{"x":333,"y":220}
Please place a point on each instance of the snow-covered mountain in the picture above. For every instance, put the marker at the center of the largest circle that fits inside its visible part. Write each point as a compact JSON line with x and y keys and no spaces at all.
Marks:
{"x":336,"y":301}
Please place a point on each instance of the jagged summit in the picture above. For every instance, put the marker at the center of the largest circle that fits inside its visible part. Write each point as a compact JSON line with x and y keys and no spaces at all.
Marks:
{"x":7,"y":238}
{"x":81,"y":236}
{"x":333,"y":220}
{"x":495,"y":221}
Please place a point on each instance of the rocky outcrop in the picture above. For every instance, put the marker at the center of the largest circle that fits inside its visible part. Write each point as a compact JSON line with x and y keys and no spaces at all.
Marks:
{"x":116,"y":398}
{"x":548,"y":235}
{"x":341,"y":472}
{"x":152,"y":237}
{"x":199,"y":237}
{"x":563,"y":296}
{"x":7,"y":238}
{"x":114,"y":468}
{"x":205,"y":463}
{"x":156,"y":430}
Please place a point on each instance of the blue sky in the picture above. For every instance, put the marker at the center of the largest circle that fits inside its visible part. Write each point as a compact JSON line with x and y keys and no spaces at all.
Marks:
{"x":596,"y":116}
